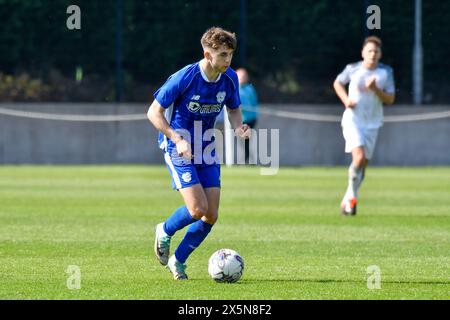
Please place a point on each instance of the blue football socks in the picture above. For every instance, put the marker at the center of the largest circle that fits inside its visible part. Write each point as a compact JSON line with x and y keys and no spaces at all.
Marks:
{"x":195,"y":234}
{"x":178,"y":220}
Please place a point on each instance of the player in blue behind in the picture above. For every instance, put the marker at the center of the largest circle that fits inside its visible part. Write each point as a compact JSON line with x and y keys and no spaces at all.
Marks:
{"x":184,"y":111}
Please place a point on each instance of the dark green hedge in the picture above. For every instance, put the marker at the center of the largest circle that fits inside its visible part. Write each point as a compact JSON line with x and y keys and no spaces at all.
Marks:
{"x":294,"y":48}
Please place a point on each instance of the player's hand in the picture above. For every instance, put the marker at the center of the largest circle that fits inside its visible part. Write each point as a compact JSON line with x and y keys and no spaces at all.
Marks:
{"x":184,"y":149}
{"x":244,"y":131}
{"x":371,"y":84}
{"x":350,"y":104}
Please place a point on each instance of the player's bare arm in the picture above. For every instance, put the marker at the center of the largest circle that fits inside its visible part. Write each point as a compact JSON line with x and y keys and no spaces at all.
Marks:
{"x":342,"y":94}
{"x":235,"y":117}
{"x":386,"y":98}
{"x":156,"y":116}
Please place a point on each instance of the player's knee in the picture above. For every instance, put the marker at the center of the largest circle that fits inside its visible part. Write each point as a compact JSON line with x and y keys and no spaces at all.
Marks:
{"x":199,"y":210}
{"x":366,"y":162}
{"x":211,"y":218}
{"x":359,"y":159}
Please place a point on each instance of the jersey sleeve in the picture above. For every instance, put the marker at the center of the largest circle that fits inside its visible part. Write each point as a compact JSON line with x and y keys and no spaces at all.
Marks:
{"x":344,"y":76}
{"x":170,"y":90}
{"x":390,"y":83}
{"x":234,"y":100}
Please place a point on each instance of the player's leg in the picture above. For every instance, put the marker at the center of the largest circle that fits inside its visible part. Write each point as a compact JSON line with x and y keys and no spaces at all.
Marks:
{"x":355,"y":176}
{"x":354,"y":143}
{"x":194,"y":208}
{"x":356,"y":169}
{"x":184,"y":179}
{"x":197,"y":204}
{"x":370,"y":138}
{"x":199,"y":230}
{"x":363,"y":174}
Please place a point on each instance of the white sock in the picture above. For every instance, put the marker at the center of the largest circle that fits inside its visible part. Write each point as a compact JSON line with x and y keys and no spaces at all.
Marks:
{"x":361,"y":178}
{"x":348,"y":194}
{"x":354,"y":181}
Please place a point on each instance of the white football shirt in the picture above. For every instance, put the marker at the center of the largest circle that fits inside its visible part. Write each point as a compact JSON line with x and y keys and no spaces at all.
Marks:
{"x":368,"y":112}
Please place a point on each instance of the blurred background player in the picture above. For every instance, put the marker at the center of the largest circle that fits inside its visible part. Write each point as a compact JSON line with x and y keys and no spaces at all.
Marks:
{"x":249,"y":103}
{"x":195,"y":95}
{"x":371,"y":84}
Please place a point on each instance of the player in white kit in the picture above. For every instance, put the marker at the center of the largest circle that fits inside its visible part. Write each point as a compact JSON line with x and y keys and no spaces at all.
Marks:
{"x":371,"y":84}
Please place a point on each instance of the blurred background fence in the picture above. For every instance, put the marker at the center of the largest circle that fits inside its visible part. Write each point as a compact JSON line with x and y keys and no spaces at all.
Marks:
{"x":121,"y":133}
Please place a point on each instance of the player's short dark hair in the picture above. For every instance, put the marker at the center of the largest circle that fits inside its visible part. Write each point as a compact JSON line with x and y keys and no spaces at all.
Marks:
{"x":215,"y":37}
{"x":373,"y":39}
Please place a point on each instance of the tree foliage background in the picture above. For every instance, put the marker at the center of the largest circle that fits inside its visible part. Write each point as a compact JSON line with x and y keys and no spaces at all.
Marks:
{"x":293,"y":48}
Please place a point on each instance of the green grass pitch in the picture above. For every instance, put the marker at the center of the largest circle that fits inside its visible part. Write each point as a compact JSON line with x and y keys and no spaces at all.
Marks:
{"x":287,"y":227}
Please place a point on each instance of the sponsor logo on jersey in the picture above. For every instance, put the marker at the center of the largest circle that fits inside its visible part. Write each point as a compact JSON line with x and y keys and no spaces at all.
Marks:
{"x":195,"y":107}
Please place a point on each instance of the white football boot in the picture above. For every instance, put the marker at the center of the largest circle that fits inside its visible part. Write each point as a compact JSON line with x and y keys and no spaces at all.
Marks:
{"x":162,"y":244}
{"x":177,"y":268}
{"x":348,"y":208}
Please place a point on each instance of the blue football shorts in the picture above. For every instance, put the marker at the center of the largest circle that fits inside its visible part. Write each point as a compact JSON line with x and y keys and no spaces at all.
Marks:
{"x":187,"y":174}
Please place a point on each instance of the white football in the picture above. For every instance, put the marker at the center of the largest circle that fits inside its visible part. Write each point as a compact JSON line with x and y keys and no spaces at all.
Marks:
{"x":225,"y":265}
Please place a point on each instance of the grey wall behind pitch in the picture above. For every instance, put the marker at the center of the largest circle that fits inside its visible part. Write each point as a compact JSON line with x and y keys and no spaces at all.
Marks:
{"x":37,"y":141}
{"x":302,"y":142}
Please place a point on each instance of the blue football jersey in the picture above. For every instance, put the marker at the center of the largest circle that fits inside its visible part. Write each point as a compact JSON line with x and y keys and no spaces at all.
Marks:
{"x":189,"y":98}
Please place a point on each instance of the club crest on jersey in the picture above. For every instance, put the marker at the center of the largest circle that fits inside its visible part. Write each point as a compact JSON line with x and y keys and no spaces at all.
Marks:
{"x":221,"y":96}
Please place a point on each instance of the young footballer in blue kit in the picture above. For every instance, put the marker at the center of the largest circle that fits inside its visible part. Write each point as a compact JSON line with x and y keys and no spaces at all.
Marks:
{"x":184,"y":111}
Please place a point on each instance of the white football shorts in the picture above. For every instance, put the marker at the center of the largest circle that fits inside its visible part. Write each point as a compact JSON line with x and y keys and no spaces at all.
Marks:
{"x":359,"y":137}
